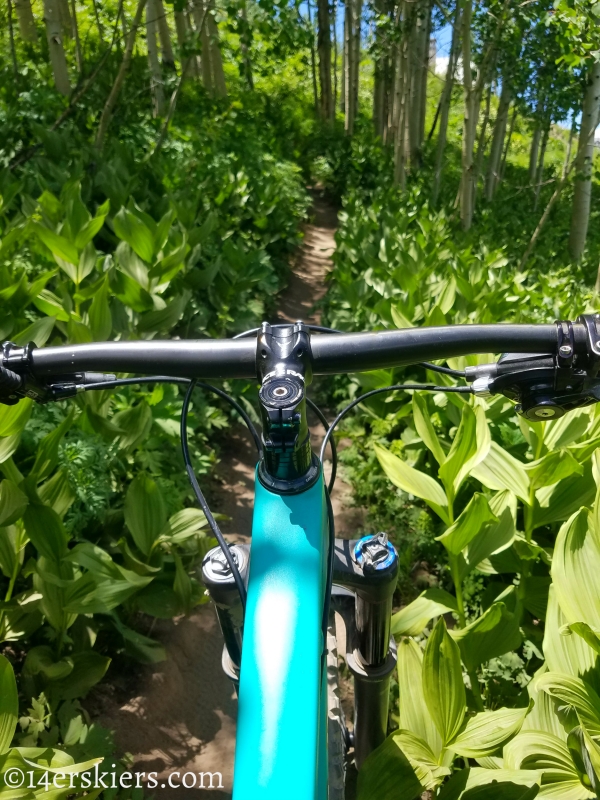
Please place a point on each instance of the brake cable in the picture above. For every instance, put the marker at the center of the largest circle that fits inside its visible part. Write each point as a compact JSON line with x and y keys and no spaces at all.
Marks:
{"x":423,"y":387}
{"x":202,"y":500}
{"x":192,"y":384}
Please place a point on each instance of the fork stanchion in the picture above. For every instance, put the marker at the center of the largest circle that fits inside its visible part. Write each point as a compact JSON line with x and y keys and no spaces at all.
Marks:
{"x":222,"y":589}
{"x":369,"y":568}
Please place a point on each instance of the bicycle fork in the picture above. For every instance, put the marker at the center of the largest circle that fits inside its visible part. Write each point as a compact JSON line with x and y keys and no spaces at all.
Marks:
{"x":364,"y":574}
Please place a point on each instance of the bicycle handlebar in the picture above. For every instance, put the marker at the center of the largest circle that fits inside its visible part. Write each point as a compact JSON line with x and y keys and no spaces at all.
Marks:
{"x":333,"y":353}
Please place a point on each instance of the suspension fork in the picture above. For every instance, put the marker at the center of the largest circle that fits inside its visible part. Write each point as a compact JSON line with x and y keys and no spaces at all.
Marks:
{"x":367,"y":569}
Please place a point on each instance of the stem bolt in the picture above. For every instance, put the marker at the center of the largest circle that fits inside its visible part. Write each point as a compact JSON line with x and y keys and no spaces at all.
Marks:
{"x":565,"y":350}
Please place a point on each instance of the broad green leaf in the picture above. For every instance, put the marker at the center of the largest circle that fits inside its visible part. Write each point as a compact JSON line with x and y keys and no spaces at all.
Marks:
{"x":143,"y":648}
{"x":132,"y":230}
{"x":464,"y":447}
{"x":387,"y":775}
{"x":425,"y":429}
{"x":87,"y":232}
{"x":166,"y":318}
{"x":575,"y":693}
{"x":470,"y":522}
{"x":162,"y":229}
{"x":413,"y":481}
{"x":184,"y":524}
{"x":133,"y":561}
{"x":557,"y":503}
{"x":132,"y":265}
{"x":541,"y":751}
{"x":8,"y":446}
{"x":414,"y":618}
{"x":567,"y":429}
{"x":486,"y":732}
{"x":46,"y":531}
{"x":41,"y":660}
{"x":544,"y":714}
{"x":502,"y":784}
{"x":595,"y":518}
{"x":502,"y":789}
{"x":414,"y":714}
{"x":57,"y":244}
{"x":398,"y":318}
{"x":57,"y":493}
{"x":575,"y":568}
{"x":568,"y":654}
{"x":423,"y":761}
{"x":443,"y":685}
{"x":99,"y":314}
{"x":10,"y":547}
{"x":135,"y":423}
{"x":129,"y":292}
{"x":9,"y":704}
{"x":14,"y":418}
{"x":87,"y":262}
{"x":89,"y":668}
{"x":91,"y":594}
{"x":12,"y":503}
{"x":500,"y":471}
{"x":496,"y":536}
{"x":453,"y":790}
{"x":47,"y":453}
{"x":145,"y":512}
{"x":38,"y":332}
{"x":553,"y":467}
{"x":182,"y":585}
{"x":51,"y":305}
{"x":49,"y":579}
{"x":492,"y":634}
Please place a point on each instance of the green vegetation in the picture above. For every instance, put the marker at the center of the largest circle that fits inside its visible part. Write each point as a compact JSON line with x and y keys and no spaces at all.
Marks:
{"x":153,"y":163}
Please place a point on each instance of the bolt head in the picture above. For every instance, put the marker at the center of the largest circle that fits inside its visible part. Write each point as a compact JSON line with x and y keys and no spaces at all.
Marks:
{"x":545,"y":413}
{"x":565,"y":350}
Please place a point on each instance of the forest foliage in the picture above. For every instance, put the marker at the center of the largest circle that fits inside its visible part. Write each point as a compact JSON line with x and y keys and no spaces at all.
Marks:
{"x":154,"y":161}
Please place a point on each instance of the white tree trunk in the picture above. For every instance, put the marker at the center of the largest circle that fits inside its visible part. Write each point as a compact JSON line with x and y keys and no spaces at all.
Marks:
{"x":534,"y":151}
{"x":26,"y":21}
{"x":56,"y":48}
{"x":445,"y":106}
{"x":495,"y":163}
{"x":112,"y":98}
{"x":324,"y":51}
{"x":156,"y":79}
{"x":469,"y":121}
{"x":78,"y":50}
{"x":348,"y":66}
{"x":582,"y":197}
{"x":65,"y":17}
{"x":168,"y":59}
{"x":425,"y":66}
{"x":481,"y":143}
{"x":539,"y":173}
{"x":215,"y":54}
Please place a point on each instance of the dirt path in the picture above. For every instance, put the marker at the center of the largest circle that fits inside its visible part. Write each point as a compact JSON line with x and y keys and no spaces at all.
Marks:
{"x":183,"y":718}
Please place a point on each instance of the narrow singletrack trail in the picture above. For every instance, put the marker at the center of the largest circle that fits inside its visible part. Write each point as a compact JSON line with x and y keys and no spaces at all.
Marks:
{"x":182,"y":718}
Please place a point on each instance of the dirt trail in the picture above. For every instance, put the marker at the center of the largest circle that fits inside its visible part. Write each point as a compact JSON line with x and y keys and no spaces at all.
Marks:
{"x":183,"y":718}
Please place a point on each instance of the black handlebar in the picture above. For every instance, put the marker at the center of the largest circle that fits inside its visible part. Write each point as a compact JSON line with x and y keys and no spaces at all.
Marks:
{"x":333,"y":353}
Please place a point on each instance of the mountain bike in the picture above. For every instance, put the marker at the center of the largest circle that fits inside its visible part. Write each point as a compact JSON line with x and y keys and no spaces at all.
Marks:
{"x":275,"y":600}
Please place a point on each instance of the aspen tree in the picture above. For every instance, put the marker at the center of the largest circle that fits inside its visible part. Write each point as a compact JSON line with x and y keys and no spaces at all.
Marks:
{"x":56,"y":49}
{"x":26,"y":21}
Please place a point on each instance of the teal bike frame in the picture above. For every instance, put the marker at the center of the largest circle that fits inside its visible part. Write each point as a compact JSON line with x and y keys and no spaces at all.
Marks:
{"x":281,"y":750}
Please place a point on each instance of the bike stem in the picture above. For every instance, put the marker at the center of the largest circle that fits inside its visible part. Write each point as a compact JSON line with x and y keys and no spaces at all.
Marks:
{"x":284,"y":366}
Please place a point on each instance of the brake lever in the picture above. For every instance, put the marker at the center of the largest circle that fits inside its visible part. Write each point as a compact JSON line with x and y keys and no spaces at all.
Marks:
{"x":543,"y":387}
